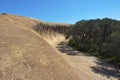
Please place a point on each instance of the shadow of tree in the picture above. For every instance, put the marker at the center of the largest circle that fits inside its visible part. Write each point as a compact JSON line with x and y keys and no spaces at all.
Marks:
{"x":64,"y":48}
{"x":102,"y":67}
{"x":106,"y":69}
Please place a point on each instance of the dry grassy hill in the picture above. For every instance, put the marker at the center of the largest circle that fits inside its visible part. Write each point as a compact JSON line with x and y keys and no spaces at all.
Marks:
{"x":30,"y":50}
{"x":25,"y":55}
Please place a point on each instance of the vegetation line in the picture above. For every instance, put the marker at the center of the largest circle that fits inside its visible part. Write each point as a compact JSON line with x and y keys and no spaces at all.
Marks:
{"x":98,"y":37}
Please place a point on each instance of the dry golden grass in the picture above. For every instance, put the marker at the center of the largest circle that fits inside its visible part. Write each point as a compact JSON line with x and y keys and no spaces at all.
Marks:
{"x":28,"y":52}
{"x":25,"y":55}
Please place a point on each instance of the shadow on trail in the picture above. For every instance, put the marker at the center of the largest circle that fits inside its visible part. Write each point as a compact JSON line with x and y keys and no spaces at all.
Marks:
{"x":102,"y":67}
{"x":64,"y":48}
{"x":106,"y":69}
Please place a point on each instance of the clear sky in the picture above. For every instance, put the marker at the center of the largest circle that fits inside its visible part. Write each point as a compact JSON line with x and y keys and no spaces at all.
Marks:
{"x":66,"y":11}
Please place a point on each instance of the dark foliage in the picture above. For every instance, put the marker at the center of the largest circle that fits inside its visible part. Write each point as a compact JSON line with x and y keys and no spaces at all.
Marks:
{"x":4,"y":13}
{"x":99,"y":37}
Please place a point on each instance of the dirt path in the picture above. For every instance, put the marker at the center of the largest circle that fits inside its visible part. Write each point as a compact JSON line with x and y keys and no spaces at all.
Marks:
{"x":92,"y":67}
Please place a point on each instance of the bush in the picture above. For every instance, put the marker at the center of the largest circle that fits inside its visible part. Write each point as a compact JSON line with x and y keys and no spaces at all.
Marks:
{"x":97,"y":37}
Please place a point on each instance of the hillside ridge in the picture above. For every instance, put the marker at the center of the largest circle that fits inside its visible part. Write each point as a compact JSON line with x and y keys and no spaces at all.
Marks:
{"x":25,"y":55}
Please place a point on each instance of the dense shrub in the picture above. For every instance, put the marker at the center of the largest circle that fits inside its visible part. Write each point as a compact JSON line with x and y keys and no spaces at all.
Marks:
{"x":99,"y":37}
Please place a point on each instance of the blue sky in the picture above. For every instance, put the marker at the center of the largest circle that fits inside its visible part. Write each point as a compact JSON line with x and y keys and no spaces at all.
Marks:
{"x":65,"y":11}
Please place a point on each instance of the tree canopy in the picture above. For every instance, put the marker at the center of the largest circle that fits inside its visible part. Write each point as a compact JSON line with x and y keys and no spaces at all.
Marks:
{"x":99,"y":37}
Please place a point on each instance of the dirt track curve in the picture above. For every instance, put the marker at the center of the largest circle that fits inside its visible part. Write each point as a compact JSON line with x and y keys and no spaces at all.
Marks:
{"x":29,"y":51}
